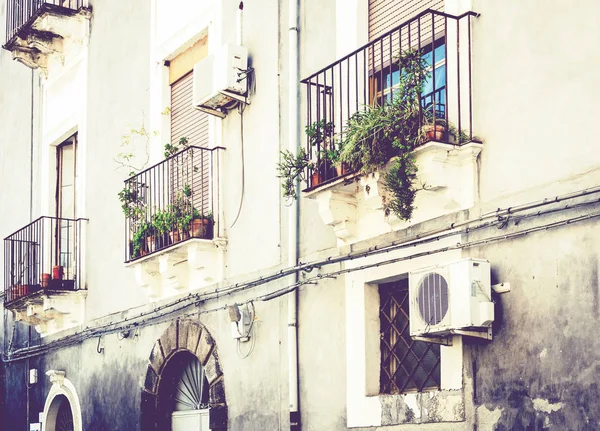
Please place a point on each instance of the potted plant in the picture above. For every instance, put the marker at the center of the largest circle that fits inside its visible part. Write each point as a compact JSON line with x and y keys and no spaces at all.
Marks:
{"x":57,"y":272}
{"x":320,"y":134}
{"x":201,"y":225}
{"x":379,"y":134}
{"x":332,"y":154}
{"x":139,"y":241}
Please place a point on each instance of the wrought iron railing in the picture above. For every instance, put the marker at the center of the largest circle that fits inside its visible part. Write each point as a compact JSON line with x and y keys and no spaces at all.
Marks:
{"x":44,"y":255}
{"x":370,"y":76}
{"x":171,"y":202}
{"x":20,"y":13}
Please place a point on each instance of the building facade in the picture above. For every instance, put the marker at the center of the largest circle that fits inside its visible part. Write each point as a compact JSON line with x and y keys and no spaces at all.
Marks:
{"x":438,"y":269}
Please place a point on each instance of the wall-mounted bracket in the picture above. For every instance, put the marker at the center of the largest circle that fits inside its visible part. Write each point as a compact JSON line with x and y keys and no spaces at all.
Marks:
{"x":444,"y":341}
{"x":485,"y":335}
{"x":501,"y":287}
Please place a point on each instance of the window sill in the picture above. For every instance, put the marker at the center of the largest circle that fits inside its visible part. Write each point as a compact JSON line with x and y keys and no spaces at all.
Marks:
{"x":446,"y":179}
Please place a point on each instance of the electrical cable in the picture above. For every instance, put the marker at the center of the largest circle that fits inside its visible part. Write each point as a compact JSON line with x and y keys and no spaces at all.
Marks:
{"x":241,"y":111}
{"x":137,"y":321}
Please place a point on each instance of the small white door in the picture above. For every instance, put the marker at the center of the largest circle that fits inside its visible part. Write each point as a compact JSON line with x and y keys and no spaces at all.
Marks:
{"x":190,"y":420}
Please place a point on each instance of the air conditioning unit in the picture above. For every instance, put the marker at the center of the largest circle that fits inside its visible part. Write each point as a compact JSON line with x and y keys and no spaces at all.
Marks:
{"x":217,"y":83}
{"x":454,"y":296}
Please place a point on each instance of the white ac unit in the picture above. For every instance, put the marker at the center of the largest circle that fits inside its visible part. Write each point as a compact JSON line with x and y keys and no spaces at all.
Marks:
{"x":217,"y":82}
{"x":450,"y":297}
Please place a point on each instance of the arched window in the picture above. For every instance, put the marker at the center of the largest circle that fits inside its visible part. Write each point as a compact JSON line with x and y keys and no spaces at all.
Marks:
{"x":183,"y":394}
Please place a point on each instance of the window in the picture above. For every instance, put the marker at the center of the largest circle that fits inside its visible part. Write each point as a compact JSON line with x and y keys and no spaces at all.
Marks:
{"x":191,"y":125}
{"x":406,"y":365}
{"x":66,"y":167}
{"x":434,"y":88}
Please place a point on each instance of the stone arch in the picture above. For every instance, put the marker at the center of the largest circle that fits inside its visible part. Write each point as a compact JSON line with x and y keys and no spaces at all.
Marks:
{"x":184,"y":335}
{"x":62,"y":391}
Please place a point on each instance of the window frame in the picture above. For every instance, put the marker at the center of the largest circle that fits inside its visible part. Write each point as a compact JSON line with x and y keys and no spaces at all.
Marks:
{"x":365,"y":405}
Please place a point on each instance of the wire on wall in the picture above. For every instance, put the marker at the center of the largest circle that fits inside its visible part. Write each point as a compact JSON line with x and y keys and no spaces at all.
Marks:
{"x":164,"y":312}
{"x":241,"y":109}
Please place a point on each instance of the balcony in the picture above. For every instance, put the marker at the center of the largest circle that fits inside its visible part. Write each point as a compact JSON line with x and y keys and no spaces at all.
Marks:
{"x":43,"y":274}
{"x":171,"y":223}
{"x":436,"y":127}
{"x":42,"y":32}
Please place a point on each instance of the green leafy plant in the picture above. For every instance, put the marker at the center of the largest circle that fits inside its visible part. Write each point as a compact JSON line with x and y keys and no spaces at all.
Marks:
{"x":139,"y":239}
{"x":132,"y":201}
{"x":379,"y":133}
{"x":292,"y":168}
{"x":171,"y":149}
{"x":319,"y":131}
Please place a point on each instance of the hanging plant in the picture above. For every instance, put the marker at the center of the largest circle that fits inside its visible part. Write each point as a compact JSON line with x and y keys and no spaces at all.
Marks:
{"x":379,"y":133}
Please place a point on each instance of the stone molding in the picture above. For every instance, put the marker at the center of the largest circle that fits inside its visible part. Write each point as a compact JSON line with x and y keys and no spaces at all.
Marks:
{"x":185,"y":335}
{"x":446,"y":180}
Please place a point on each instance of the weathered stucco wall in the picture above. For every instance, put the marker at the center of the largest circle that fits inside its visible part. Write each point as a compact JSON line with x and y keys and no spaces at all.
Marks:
{"x":117,"y":84}
{"x":539,"y":370}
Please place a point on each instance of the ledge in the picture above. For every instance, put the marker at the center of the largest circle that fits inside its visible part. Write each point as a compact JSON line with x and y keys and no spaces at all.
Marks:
{"x":187,"y":265}
{"x":50,"y":311}
{"x":446,"y":181}
{"x":51,"y":34}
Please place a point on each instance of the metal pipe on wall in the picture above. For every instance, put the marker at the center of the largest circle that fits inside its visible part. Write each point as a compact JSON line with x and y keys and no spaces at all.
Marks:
{"x":293,"y":220}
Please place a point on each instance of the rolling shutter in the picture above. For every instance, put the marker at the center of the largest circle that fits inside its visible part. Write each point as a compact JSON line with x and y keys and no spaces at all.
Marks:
{"x":187,"y":121}
{"x":384,"y":15}
{"x":191,"y":123}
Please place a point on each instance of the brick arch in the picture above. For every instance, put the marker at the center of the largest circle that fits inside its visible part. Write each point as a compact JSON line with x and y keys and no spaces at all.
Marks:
{"x":184,"y":335}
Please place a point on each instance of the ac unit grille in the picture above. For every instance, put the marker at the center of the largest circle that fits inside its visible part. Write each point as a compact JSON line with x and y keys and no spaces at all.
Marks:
{"x":432,"y":298}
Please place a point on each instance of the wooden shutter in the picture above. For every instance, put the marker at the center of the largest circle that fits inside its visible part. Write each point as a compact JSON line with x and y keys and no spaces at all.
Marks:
{"x":384,"y":15}
{"x":191,"y":123}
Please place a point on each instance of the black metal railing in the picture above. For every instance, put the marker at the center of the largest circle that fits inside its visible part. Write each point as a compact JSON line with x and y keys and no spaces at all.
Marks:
{"x":370,"y":76}
{"x":19,"y":13}
{"x":171,"y":202}
{"x":45,"y":254}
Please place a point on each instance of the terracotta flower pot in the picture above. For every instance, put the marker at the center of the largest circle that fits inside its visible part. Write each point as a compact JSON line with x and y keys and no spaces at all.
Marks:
{"x":341,"y":169}
{"x":201,"y":228}
{"x":45,"y":280}
{"x":22,"y":290}
{"x":315,"y":179}
{"x":175,"y":236}
{"x":151,"y":243}
{"x":57,"y":272}
{"x":435,"y":133}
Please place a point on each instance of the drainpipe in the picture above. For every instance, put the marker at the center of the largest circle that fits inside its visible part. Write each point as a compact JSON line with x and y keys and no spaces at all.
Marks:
{"x":293,"y":226}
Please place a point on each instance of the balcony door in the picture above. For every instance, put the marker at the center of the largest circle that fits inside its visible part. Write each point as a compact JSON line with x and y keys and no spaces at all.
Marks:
{"x":66,"y":184}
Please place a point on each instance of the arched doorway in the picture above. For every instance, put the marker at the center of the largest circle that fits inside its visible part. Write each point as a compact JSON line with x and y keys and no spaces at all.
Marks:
{"x":184,"y":387}
{"x":62,"y":411}
{"x":183,"y":394}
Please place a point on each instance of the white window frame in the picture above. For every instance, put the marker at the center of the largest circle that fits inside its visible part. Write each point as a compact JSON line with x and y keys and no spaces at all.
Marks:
{"x":363,"y":401}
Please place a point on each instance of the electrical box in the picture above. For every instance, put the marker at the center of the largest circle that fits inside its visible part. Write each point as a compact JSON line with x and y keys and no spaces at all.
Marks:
{"x":33,"y":376}
{"x":219,"y":80}
{"x":451,"y":296}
